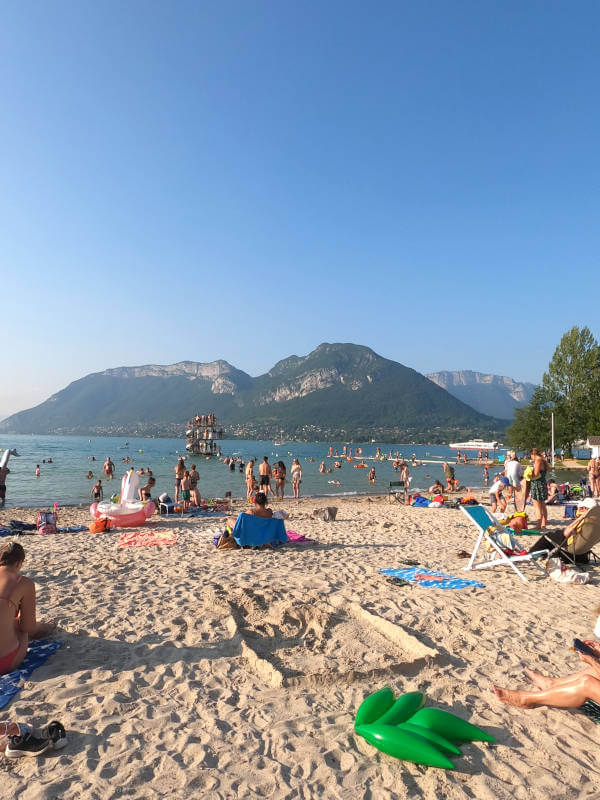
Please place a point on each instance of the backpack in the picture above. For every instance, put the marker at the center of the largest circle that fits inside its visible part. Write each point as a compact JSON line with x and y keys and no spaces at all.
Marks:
{"x":46,"y":523}
{"x":100,"y":525}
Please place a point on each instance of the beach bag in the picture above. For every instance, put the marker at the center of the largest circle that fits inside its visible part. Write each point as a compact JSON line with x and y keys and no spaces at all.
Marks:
{"x":100,"y":525}
{"x":227,"y":542}
{"x":326,"y":514}
{"x":563,"y":574}
{"x":46,"y":523}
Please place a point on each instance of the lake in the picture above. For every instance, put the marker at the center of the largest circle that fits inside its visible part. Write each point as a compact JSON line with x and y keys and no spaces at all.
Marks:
{"x":64,"y":480}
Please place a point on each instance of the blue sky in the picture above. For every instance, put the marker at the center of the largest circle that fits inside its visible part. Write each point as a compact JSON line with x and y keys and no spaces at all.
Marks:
{"x":245,"y":180}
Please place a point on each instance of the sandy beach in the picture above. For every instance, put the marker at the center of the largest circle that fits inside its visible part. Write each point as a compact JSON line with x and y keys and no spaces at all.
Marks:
{"x":187,"y":672}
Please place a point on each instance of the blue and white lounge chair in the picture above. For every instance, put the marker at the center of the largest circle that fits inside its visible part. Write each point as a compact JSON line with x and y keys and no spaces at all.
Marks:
{"x":483,"y":521}
{"x":165,"y":505}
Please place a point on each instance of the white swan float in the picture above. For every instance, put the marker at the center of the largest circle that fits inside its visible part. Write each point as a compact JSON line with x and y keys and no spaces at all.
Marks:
{"x":128,"y":512}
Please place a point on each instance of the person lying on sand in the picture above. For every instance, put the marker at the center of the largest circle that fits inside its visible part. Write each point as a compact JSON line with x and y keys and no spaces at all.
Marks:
{"x":570,"y":691}
{"x":18,"y":621}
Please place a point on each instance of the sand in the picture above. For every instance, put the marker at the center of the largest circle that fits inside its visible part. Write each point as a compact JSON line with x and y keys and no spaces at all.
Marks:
{"x":187,"y":672}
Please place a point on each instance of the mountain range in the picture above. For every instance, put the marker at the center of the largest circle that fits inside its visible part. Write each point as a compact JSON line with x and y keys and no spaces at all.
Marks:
{"x":495,"y":395}
{"x":336,"y":392}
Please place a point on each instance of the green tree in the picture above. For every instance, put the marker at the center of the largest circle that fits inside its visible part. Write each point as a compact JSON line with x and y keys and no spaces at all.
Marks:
{"x":572,"y":384}
{"x":532,"y":425}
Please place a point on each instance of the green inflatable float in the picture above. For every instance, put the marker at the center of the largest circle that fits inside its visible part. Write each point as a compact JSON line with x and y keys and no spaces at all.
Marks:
{"x":404,"y":729}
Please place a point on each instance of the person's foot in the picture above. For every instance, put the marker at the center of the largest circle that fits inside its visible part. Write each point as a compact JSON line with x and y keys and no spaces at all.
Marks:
{"x":26,"y":745}
{"x":539,"y":680}
{"x":511,"y":698}
{"x":44,"y":629}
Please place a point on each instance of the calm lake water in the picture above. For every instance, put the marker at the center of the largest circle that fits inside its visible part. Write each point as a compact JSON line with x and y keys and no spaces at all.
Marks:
{"x":64,"y":481}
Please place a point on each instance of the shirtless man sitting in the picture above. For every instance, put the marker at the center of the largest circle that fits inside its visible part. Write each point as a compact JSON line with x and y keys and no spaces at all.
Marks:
{"x":437,"y":488}
{"x":260,"y":508}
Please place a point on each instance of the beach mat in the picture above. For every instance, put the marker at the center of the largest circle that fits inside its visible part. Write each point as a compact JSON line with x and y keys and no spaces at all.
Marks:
{"x":206,"y":513}
{"x":429,"y":578}
{"x":72,"y":529}
{"x":12,"y":682}
{"x":146,"y":538}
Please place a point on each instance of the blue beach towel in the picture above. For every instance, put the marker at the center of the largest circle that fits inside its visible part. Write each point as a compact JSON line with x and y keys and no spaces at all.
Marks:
{"x":254,"y":531}
{"x":449,"y":581}
{"x":37,"y":654}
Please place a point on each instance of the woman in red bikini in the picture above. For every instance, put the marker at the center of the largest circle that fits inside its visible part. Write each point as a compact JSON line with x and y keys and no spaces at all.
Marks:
{"x":18,"y":623}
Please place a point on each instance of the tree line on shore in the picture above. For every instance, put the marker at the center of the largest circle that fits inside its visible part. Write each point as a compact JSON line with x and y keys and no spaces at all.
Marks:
{"x":570,"y":389}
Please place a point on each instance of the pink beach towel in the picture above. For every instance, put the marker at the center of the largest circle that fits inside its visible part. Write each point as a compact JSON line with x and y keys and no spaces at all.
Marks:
{"x":297,"y":537}
{"x":146,"y":538}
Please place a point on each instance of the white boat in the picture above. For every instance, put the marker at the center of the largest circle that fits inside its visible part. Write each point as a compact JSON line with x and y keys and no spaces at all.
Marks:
{"x":474,"y":444}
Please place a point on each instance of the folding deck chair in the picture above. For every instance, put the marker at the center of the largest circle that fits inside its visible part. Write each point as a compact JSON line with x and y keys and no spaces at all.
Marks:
{"x":482,"y":519}
{"x":397,"y":490}
{"x":585,"y":536}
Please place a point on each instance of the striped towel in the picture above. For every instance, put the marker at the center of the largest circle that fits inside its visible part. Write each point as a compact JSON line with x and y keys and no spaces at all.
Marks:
{"x":146,"y":538}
